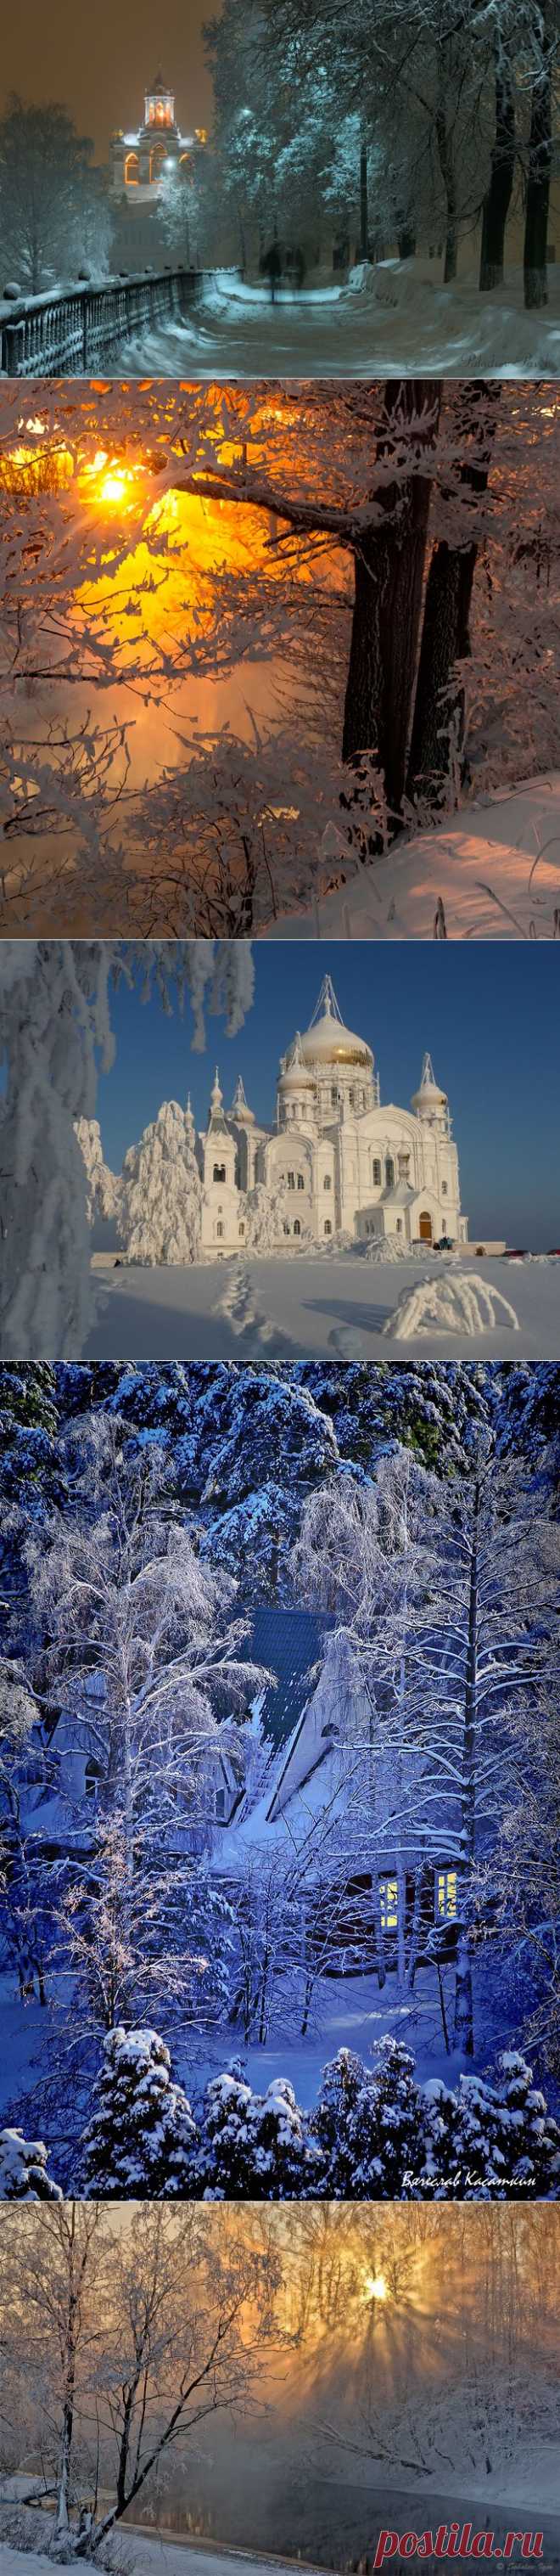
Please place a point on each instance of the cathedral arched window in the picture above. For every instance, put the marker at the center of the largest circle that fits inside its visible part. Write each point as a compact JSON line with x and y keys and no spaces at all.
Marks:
{"x":327,"y":1228}
{"x":389,"y":1173}
{"x":291,"y":1180}
{"x":351,"y":1097}
{"x":300,"y":1181}
{"x":297,"y":1227}
{"x":220,"y":1233}
{"x":376,"y":1172}
{"x":327,"y":1181}
{"x":131,"y":171}
{"x":219,"y":1172}
{"x":286,"y":1229}
{"x":334,"y":1096}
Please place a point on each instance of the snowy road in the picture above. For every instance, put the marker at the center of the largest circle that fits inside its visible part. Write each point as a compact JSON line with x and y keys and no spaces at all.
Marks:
{"x":399,"y":319}
{"x":296,"y":1309}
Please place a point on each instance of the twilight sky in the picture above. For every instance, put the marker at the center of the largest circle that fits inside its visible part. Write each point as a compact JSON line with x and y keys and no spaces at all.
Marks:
{"x":488,"y":1013}
{"x":99,"y":63}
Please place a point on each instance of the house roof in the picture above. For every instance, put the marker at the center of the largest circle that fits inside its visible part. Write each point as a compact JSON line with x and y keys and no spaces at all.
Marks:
{"x":288,"y":1643}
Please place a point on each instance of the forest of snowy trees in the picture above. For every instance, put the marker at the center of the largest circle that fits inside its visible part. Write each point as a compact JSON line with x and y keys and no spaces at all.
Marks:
{"x":429,"y":126}
{"x":279,"y":1779}
{"x":401,"y":2346}
{"x":411,"y":528}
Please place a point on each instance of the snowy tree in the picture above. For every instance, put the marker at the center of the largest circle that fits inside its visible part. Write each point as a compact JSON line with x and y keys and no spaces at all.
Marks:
{"x":23,"y":2168}
{"x":102,"y":1183}
{"x":160,"y":1198}
{"x":140,"y":2142}
{"x":140,"y":1635}
{"x":255,"y":2146}
{"x":57,"y":1030}
{"x":452,"y":1592}
{"x":52,"y":208}
{"x":369,"y":2125}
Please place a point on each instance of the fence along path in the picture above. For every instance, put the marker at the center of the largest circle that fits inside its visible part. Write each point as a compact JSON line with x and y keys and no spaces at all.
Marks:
{"x":66,"y":333}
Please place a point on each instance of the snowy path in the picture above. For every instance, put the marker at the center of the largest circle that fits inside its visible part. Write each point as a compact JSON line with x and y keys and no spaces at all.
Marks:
{"x":307,"y":1306}
{"x":495,"y":868}
{"x":400,"y":319}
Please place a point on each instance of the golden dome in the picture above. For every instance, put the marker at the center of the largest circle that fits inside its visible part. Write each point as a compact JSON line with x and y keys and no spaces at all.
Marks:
{"x":327,"y":1041}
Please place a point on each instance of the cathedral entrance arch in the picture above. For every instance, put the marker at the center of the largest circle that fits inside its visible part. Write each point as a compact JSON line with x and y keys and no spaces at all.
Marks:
{"x":425,"y":1226}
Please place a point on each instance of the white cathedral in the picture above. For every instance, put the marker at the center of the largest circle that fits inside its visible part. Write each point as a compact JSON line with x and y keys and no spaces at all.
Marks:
{"x":337,"y":1161}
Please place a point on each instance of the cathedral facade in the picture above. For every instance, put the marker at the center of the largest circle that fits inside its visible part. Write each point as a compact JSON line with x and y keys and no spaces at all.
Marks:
{"x":338,"y":1162}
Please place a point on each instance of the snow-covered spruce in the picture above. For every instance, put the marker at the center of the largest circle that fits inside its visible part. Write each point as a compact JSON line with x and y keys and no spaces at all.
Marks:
{"x":255,"y":2146}
{"x":142,"y":2138}
{"x":375,"y":2134}
{"x":23,"y":2168}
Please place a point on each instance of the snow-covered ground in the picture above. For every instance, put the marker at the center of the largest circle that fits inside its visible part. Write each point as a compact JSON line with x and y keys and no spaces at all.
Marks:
{"x":170,"y":2557}
{"x":495,"y":869}
{"x":394,"y":318}
{"x":307,"y":1305}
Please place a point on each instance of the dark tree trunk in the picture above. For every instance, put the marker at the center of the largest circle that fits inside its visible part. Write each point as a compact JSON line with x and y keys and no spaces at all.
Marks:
{"x":389,"y":570}
{"x":538,"y":186}
{"x":447,"y":167}
{"x":406,"y":242}
{"x":439,"y":709}
{"x":364,"y":211}
{"x":463,"y":2033}
{"x":497,"y":201}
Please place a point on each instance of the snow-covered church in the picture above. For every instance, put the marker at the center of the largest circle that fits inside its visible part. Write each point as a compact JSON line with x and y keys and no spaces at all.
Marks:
{"x":338,"y":1162}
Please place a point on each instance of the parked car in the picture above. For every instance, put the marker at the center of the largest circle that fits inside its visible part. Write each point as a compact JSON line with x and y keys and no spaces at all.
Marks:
{"x":515,"y":1255}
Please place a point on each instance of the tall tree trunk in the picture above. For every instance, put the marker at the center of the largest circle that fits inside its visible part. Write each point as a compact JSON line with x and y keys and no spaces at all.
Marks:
{"x":388,"y":578}
{"x":439,"y":707}
{"x":463,"y":2034}
{"x":539,"y":177}
{"x":447,"y":167}
{"x":364,"y":212}
{"x":498,"y":194}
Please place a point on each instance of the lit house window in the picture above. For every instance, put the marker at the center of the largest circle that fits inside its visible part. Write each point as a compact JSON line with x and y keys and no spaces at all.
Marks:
{"x":389,"y":1904}
{"x":446,"y":1895}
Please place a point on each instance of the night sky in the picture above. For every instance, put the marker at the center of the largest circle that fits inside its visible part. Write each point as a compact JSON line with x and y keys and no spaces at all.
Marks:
{"x":98,"y":62}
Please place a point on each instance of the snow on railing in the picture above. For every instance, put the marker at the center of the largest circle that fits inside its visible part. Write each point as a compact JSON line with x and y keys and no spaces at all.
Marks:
{"x":66,"y":331}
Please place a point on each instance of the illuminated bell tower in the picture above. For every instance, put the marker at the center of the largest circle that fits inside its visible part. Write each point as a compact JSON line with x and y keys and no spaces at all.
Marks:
{"x":159,"y":106}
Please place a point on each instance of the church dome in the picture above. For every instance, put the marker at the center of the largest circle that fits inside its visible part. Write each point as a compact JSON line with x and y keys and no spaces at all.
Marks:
{"x":429,"y":1096}
{"x":327,"y":1041}
{"x":294,"y":1073}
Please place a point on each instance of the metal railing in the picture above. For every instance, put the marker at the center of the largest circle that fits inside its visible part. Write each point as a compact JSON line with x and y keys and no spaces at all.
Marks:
{"x":70,"y":332}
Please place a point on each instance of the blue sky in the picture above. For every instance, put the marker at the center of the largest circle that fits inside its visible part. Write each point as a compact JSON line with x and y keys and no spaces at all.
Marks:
{"x":489,"y":1014}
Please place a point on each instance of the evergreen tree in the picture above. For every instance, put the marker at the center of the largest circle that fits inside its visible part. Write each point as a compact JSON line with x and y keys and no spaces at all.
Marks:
{"x":255,"y":2146}
{"x":369,"y":2124}
{"x":140,"y":2143}
{"x":23,"y":2168}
